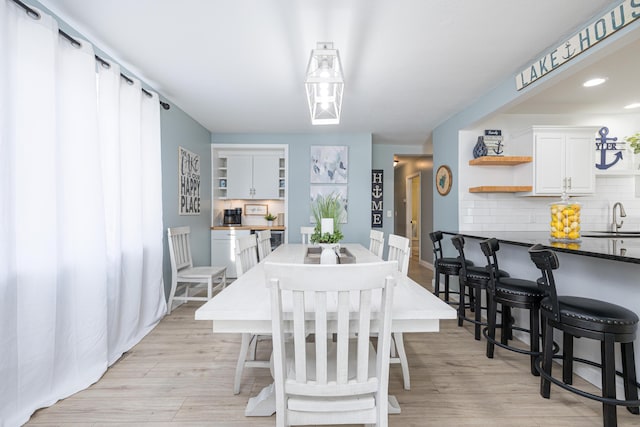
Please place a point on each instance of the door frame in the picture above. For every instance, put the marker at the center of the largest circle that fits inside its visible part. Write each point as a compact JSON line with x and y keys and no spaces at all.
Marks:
{"x":409,"y":208}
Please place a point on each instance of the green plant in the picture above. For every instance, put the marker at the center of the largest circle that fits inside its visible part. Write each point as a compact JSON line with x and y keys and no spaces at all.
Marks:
{"x":270,"y":217}
{"x":327,"y":207}
{"x":634,"y":142}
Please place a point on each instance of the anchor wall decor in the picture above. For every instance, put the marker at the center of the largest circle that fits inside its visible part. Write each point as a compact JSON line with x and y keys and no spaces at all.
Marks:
{"x":605,"y":144}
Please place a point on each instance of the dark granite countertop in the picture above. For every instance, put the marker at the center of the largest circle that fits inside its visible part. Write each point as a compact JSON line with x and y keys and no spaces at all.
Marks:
{"x":625,"y":249}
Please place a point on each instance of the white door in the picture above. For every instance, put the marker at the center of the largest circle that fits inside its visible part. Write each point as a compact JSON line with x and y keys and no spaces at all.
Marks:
{"x":413,"y":213}
{"x":223,"y":248}
{"x":266,"y":177}
{"x":239,"y":177}
{"x":580,"y":161}
{"x":549,"y":160}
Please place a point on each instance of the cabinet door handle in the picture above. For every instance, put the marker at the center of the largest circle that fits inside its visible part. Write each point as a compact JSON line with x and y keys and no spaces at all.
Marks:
{"x":569,"y":182}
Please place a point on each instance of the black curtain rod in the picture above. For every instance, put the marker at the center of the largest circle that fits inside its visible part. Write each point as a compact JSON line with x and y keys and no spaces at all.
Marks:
{"x":35,"y":15}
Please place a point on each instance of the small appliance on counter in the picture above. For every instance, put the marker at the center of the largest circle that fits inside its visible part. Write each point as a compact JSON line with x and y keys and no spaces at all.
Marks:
{"x":232,"y":216}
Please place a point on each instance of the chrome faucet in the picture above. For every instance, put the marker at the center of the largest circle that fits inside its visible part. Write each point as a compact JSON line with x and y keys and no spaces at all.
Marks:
{"x":615,"y":226}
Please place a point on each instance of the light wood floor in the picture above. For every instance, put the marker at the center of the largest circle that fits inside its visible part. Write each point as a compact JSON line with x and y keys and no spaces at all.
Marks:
{"x":181,"y":375}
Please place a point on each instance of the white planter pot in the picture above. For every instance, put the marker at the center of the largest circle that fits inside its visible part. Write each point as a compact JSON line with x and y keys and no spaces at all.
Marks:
{"x":328,"y":254}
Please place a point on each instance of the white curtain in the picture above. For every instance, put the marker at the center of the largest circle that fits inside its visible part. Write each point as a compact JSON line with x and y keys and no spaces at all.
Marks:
{"x":80,"y":215}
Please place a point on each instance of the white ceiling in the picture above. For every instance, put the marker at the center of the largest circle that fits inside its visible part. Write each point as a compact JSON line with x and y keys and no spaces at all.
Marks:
{"x":238,"y":66}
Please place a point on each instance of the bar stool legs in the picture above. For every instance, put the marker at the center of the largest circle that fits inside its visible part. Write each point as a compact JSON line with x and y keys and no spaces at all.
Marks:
{"x":590,"y":319}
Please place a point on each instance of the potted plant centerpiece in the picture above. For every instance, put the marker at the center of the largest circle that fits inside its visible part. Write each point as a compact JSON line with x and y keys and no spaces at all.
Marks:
{"x":327,"y":211}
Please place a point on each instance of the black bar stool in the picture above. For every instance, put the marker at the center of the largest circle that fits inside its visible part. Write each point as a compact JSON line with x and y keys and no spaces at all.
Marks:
{"x":588,"y":318}
{"x":474,"y":280}
{"x":511,"y":293}
{"x":445,"y":266}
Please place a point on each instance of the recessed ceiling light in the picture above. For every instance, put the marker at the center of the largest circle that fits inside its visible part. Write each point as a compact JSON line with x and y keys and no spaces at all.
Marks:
{"x":594,"y":82}
{"x":634,"y":105}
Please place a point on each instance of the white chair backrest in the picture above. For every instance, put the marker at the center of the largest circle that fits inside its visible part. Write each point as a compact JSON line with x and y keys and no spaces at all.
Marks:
{"x":325,"y":299}
{"x":376,"y":242}
{"x":179,"y":248}
{"x":400,"y":250}
{"x":246,"y":254}
{"x":306,"y":233}
{"x":264,"y":243}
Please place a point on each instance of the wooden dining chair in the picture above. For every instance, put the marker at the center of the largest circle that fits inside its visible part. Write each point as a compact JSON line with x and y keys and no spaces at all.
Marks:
{"x":264,"y":243}
{"x":246,"y":259}
{"x":400,"y":251}
{"x":185,"y":275}
{"x":306,"y":233}
{"x":331,"y":381}
{"x":376,"y":242}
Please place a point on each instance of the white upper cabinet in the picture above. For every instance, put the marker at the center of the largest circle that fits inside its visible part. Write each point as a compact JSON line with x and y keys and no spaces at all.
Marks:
{"x":563,"y":159}
{"x":239,"y":177}
{"x":249,"y":174}
{"x":266,"y":177}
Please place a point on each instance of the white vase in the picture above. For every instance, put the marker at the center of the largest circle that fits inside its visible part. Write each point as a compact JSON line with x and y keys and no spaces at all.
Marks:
{"x":328,"y":254}
{"x":269,"y":223}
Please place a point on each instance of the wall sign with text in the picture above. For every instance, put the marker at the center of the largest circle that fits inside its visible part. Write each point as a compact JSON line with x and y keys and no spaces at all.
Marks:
{"x":188,"y":182}
{"x":618,"y":17}
{"x":376,"y":198}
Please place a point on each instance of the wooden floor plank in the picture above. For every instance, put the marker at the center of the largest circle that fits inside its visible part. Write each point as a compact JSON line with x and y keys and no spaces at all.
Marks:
{"x":181,"y":375}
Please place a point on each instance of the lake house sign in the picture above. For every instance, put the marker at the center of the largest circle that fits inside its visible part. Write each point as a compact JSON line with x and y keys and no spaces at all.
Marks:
{"x":623,"y":14}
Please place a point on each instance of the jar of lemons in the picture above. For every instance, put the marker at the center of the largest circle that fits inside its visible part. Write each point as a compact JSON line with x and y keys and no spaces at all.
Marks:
{"x":565,"y":221}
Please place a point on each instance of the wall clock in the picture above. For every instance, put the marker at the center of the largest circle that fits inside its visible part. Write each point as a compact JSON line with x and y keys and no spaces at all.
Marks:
{"x":443,"y":180}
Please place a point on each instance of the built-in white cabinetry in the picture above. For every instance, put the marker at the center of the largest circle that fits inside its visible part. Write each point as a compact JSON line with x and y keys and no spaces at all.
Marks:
{"x":223,"y":248}
{"x":253,"y":176}
{"x":564,"y":162}
{"x":249,"y":173}
{"x":563,"y":159}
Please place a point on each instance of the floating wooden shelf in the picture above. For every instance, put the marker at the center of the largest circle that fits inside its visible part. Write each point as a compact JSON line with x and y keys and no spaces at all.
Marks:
{"x":500,"y":160}
{"x":501,"y":189}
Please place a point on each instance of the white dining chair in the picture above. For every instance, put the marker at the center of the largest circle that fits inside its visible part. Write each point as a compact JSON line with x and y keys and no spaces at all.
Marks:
{"x":339,"y":380}
{"x":246,"y":253}
{"x":185,"y":275}
{"x":376,"y":242}
{"x":400,"y":250}
{"x":246,"y":259}
{"x":264,"y":243}
{"x":306,"y":233}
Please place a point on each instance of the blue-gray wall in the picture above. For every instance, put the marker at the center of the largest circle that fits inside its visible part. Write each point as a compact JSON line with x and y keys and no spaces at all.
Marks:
{"x":445,"y":136}
{"x":359,"y":186}
{"x":179,"y":129}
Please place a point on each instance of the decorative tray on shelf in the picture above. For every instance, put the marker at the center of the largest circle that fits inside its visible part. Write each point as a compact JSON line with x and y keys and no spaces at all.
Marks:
{"x":313,"y":256}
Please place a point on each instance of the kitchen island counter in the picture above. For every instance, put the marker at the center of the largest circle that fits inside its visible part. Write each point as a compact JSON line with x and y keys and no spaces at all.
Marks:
{"x":625,"y":249}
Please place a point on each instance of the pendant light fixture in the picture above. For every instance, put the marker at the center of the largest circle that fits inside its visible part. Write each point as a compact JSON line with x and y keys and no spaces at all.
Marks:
{"x":324,"y":84}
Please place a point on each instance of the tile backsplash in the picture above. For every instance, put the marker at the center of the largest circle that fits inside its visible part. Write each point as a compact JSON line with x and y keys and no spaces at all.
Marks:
{"x":506,"y":211}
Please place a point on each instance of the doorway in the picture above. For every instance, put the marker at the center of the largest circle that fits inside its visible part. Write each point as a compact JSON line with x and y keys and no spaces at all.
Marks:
{"x":409,"y":172}
{"x":414,"y":201}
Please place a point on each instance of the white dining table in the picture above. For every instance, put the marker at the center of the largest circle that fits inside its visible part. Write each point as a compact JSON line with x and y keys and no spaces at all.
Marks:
{"x":243,"y":307}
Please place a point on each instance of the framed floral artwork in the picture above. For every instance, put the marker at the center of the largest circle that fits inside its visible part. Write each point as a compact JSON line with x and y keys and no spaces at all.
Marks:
{"x":329,"y":164}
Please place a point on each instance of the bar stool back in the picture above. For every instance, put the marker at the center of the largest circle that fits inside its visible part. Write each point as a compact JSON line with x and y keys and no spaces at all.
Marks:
{"x":588,"y":318}
{"x":511,"y":293}
{"x":474,"y":280}
{"x":443,"y":265}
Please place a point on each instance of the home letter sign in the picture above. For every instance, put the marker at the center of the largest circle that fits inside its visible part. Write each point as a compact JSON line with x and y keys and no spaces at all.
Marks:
{"x":376,"y":197}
